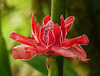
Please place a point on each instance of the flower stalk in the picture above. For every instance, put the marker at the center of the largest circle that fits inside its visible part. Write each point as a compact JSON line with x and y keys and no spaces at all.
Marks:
{"x":52,"y":66}
{"x":58,"y":9}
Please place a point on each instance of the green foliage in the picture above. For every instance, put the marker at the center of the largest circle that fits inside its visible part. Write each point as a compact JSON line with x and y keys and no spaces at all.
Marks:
{"x":4,"y":59}
{"x":68,"y":70}
{"x":53,"y":68}
{"x":39,"y":63}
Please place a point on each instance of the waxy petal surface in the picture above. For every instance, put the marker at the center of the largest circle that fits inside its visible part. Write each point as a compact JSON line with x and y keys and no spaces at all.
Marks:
{"x":75,"y":52}
{"x":64,"y":31}
{"x":19,"y":52}
{"x":37,"y":32}
{"x":44,"y":35}
{"x":69,"y":22}
{"x":83,"y":40}
{"x":33,"y":23}
{"x":51,"y":38}
{"x":57,"y":34}
{"x":37,"y":49}
{"x":22,"y":39}
{"x":46,"y":19}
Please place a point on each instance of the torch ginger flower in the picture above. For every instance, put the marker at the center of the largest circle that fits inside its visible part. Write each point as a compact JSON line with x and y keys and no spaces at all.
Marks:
{"x":50,"y":39}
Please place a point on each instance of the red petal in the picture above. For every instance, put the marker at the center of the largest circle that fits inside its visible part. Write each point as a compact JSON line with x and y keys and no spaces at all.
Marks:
{"x":74,"y":52}
{"x":84,"y":59}
{"x":22,"y":39}
{"x":19,"y":52}
{"x":42,"y":42}
{"x":44,"y":33}
{"x":57,"y":34}
{"x":62,"y":21}
{"x":33,"y":23}
{"x":63,"y":27}
{"x":51,"y":39}
{"x":46,"y":19}
{"x":83,"y":40}
{"x":37,"y":32}
{"x":32,"y":36}
{"x":69,"y":22}
{"x":38,"y":49}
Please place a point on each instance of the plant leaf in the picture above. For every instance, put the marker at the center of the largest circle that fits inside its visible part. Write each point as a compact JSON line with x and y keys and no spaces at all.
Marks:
{"x":4,"y":59}
{"x":39,"y":63}
{"x":68,"y":70}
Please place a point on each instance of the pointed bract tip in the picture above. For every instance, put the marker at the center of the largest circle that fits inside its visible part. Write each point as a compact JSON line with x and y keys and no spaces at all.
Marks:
{"x":72,"y":17}
{"x":31,"y":14}
{"x":12,"y":35}
{"x":85,"y":60}
{"x":86,"y":39}
{"x":46,"y":19}
{"x":61,"y":16}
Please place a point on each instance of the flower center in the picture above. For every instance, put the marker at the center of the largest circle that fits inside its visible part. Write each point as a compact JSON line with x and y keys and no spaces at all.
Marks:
{"x":45,"y":31}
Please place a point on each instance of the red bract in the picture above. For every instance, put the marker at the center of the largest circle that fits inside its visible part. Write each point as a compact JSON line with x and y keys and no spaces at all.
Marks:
{"x":50,"y":39}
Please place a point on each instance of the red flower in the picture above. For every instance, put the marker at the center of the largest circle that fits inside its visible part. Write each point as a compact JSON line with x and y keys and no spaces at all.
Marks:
{"x":50,"y":39}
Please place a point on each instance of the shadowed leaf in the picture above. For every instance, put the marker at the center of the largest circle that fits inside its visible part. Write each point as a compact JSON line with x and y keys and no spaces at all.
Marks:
{"x":39,"y":63}
{"x":68,"y":70}
{"x":4,"y":59}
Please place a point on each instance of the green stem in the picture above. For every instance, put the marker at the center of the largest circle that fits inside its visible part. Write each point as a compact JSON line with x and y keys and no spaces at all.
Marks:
{"x":52,"y":66}
{"x":58,"y":9}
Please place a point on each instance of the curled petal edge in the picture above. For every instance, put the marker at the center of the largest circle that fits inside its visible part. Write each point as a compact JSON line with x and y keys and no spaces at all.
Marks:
{"x":64,"y":31}
{"x":33,"y":23}
{"x":37,"y":49}
{"x":69,"y":22}
{"x":46,"y":19}
{"x":82,"y":40}
{"x":19,"y":52}
{"x":75,"y":52}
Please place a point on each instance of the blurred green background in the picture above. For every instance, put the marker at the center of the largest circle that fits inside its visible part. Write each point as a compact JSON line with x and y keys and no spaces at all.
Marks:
{"x":16,"y":17}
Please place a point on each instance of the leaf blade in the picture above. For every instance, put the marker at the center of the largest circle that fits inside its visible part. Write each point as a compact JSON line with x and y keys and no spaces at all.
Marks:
{"x":68,"y":70}
{"x":39,"y":63}
{"x":5,"y":69}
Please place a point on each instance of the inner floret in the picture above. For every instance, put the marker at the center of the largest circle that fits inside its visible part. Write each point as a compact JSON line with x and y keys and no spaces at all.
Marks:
{"x":45,"y":32}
